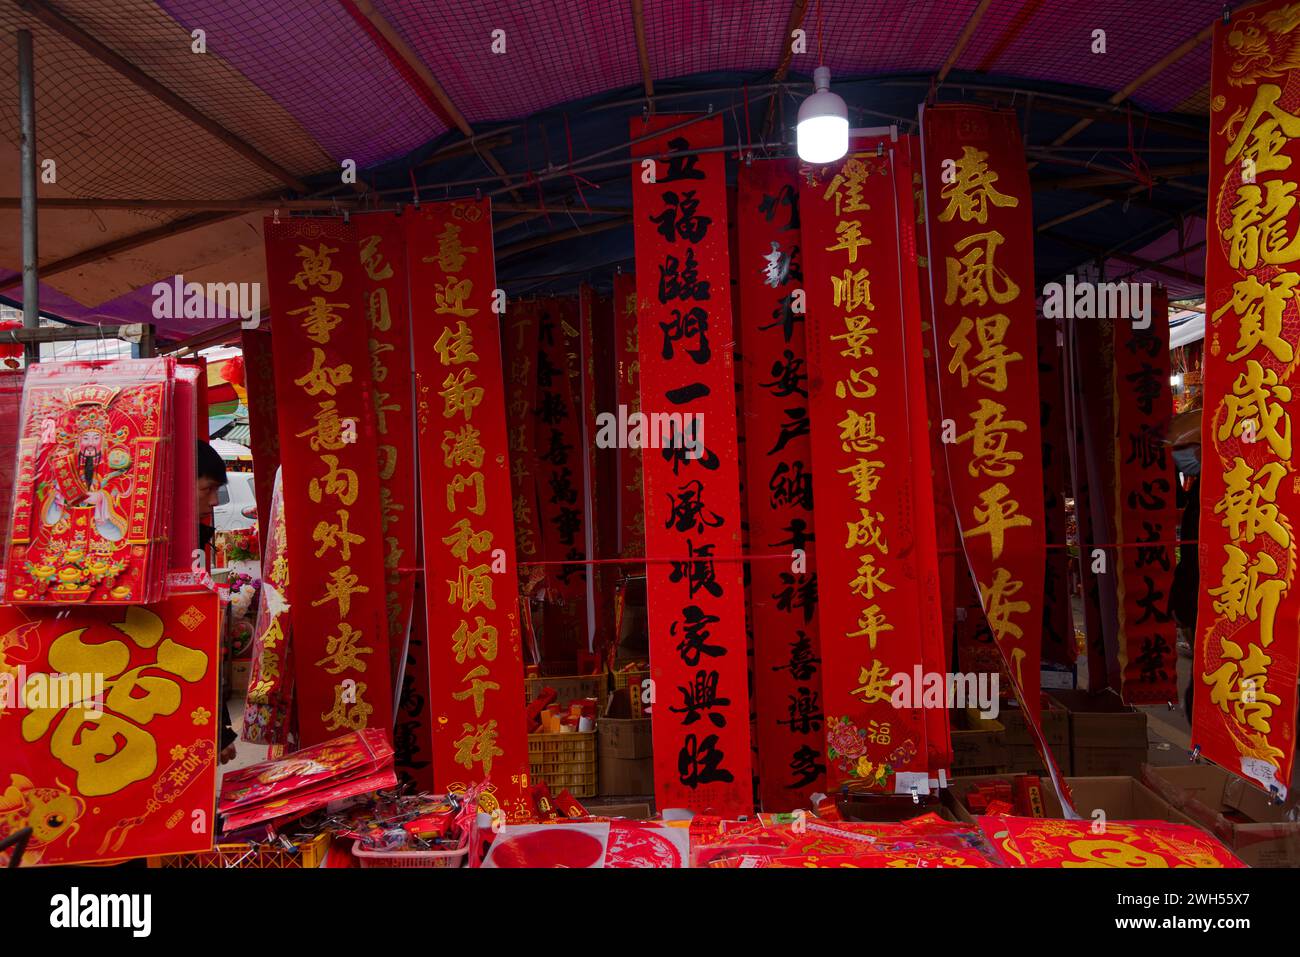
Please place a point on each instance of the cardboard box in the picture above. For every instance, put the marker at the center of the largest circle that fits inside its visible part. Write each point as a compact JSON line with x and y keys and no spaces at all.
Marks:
{"x":1121,"y":798}
{"x":240,"y":670}
{"x":978,"y":745}
{"x":1022,"y":751}
{"x":624,"y":777}
{"x":625,"y":737}
{"x":890,"y":808}
{"x":1107,"y":737}
{"x":633,"y":812}
{"x":1234,"y":811}
{"x":625,"y":756}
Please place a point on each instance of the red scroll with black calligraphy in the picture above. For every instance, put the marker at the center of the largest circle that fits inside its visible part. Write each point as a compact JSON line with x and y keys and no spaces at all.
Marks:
{"x":867,"y":410}
{"x":560,"y":448}
{"x":695,"y":594}
{"x":978,"y":210}
{"x":383,"y":257}
{"x":631,"y":508}
{"x":1248,"y":621}
{"x":783,"y":595}
{"x":476,"y":671}
{"x":560,"y":484}
{"x":108,"y":726}
{"x":329,"y":451}
{"x":264,"y":435}
{"x":520,"y":351}
{"x":1147,"y":520}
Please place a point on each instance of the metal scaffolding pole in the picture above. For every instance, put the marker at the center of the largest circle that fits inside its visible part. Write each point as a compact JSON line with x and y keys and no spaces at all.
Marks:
{"x":27,"y":141}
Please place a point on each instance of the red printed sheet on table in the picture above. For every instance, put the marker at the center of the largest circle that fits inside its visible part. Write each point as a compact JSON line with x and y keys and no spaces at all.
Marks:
{"x":138,"y":779}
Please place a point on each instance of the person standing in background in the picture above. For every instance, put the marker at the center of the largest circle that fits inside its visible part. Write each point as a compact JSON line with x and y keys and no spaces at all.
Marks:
{"x":210,"y":479}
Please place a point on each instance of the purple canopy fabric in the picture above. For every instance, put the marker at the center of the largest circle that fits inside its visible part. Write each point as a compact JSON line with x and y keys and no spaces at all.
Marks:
{"x":326,"y":67}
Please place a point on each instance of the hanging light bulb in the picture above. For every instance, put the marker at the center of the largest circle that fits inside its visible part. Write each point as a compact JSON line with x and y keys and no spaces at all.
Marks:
{"x":822,"y":134}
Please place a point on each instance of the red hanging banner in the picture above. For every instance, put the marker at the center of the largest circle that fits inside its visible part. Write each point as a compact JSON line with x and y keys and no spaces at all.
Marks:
{"x":1091,"y":372}
{"x":695,"y":592}
{"x":560,"y":448}
{"x":560,"y":485}
{"x":945,"y":519}
{"x":329,"y":451}
{"x":877,"y":569}
{"x":520,"y":345}
{"x":413,"y":730}
{"x":108,"y":727}
{"x":268,"y":702}
{"x":935,"y":562}
{"x":1144,"y":506}
{"x":783,"y":595}
{"x":1248,"y":622}
{"x":594,"y":312}
{"x":383,"y":257}
{"x":982,"y":291}
{"x":264,"y":435}
{"x":476,"y":670}
{"x":631,"y":509}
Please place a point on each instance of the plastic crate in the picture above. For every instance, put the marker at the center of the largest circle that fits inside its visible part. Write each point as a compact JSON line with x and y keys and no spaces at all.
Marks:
{"x":566,"y":760}
{"x":623,"y":679}
{"x":309,"y":854}
{"x":452,"y":858}
{"x":571,"y":687}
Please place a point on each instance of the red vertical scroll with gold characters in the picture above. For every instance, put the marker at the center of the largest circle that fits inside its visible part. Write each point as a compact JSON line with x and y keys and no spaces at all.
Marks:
{"x":383,"y":258}
{"x":627,"y":391}
{"x":980,"y":224}
{"x":476,"y":672}
{"x":1146,"y":519}
{"x":388,"y":310}
{"x":783,"y":595}
{"x":695,"y":592}
{"x":328,"y":451}
{"x":1248,"y":621}
{"x":870,"y":584}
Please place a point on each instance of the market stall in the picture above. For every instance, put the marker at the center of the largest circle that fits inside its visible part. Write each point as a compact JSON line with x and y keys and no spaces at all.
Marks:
{"x":734,"y":472}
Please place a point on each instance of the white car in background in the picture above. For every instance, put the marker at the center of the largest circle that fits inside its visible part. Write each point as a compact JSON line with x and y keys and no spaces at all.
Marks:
{"x":236,"y":503}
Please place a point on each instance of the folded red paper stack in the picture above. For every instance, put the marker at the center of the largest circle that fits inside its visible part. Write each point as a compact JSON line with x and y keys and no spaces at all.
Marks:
{"x":307,"y":780}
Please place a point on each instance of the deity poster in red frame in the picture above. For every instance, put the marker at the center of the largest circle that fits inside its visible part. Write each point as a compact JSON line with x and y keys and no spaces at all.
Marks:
{"x":88,"y":504}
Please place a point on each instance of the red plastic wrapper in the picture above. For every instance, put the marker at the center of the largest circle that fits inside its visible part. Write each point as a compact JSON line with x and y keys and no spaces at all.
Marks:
{"x":543,"y":803}
{"x":569,"y":805}
{"x":1029,"y":796}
